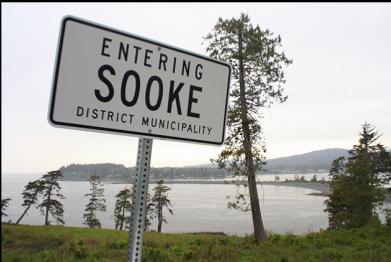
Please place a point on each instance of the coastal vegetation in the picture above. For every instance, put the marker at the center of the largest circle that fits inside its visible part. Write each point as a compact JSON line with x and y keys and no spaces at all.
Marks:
{"x":368,"y":241}
{"x":44,"y":194}
{"x":308,"y":163}
{"x":59,"y":243}
{"x":4,"y":205}
{"x":123,"y":207}
{"x":118,"y":172}
{"x":258,"y":62}
{"x":96,"y":203}
{"x":159,"y":202}
{"x":357,"y":185}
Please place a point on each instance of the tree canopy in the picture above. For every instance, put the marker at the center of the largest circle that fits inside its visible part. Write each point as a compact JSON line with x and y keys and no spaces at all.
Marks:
{"x":4,"y":205}
{"x":96,"y":203}
{"x":123,"y":207}
{"x":257,"y":63}
{"x":50,"y":192}
{"x":357,"y":182}
{"x":160,"y":201}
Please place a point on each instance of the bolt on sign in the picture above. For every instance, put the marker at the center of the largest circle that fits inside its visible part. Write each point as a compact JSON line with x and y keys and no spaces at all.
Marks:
{"x":108,"y":80}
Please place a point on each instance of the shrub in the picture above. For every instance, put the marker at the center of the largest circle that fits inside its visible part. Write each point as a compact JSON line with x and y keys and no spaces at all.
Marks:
{"x":153,"y":255}
{"x":78,"y":249}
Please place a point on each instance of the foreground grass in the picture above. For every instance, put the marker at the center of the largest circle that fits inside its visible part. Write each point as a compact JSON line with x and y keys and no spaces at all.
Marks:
{"x":54,"y":243}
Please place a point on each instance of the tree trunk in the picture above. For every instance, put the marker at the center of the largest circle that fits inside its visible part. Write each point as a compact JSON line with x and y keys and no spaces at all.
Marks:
{"x":123,"y":218}
{"x":24,"y":213}
{"x":91,"y":224}
{"x":117,"y":222}
{"x":259,"y":230}
{"x":160,"y":218}
{"x":159,"y":227}
{"x":48,"y":206}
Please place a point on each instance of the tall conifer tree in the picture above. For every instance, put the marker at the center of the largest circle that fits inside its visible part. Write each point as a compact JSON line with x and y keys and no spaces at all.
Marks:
{"x":96,"y":203}
{"x":123,"y":207}
{"x":30,"y":196}
{"x":160,"y":201}
{"x":51,"y":195}
{"x":356,"y":185}
{"x":257,"y":63}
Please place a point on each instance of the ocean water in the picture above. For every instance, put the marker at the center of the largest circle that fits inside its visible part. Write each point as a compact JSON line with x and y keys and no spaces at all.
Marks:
{"x":197,"y":207}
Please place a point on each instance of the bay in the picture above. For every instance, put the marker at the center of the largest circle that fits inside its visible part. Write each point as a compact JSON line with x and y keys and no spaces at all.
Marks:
{"x":197,"y":207}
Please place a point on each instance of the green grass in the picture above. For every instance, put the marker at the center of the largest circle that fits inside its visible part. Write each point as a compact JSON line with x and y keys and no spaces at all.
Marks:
{"x":55,"y":243}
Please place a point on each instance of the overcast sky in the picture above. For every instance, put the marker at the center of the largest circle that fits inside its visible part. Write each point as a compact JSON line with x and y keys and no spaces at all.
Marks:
{"x":340,"y":77}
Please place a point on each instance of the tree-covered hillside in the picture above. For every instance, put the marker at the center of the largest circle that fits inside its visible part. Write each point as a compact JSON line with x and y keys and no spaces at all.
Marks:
{"x":118,"y":172}
{"x":312,"y":162}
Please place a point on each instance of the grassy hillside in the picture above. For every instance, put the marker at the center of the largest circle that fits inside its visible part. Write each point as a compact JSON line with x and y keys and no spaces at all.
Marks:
{"x":53,"y":243}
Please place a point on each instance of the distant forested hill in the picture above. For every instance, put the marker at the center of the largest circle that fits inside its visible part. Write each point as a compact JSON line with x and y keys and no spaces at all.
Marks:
{"x":105,"y":170}
{"x":312,"y":162}
{"x":315,"y":161}
{"x":117,"y":172}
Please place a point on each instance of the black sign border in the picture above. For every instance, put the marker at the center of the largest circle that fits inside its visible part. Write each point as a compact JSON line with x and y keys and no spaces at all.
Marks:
{"x":116,"y":131}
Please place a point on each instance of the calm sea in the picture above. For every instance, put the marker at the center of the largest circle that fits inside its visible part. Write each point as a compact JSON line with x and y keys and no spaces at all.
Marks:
{"x":197,"y":207}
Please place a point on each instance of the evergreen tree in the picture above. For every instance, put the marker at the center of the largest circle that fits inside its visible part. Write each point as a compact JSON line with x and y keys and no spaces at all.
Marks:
{"x":257,"y":75}
{"x":123,"y":207}
{"x":356,"y":185}
{"x":96,"y":202}
{"x":51,"y":191}
{"x":160,"y":201}
{"x":4,"y":205}
{"x":336,"y":204}
{"x":30,"y":196}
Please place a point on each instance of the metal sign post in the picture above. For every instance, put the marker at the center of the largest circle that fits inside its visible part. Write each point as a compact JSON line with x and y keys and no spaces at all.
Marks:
{"x":140,"y":196}
{"x":111,"y":81}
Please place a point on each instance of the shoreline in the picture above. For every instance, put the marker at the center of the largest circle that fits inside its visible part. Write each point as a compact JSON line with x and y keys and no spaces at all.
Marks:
{"x":323,"y":188}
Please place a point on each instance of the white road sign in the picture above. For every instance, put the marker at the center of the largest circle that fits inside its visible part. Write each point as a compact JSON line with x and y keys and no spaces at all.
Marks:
{"x":112,"y":81}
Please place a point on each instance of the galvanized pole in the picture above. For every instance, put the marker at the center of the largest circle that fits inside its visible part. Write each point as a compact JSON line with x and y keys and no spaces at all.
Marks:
{"x":140,"y":195}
